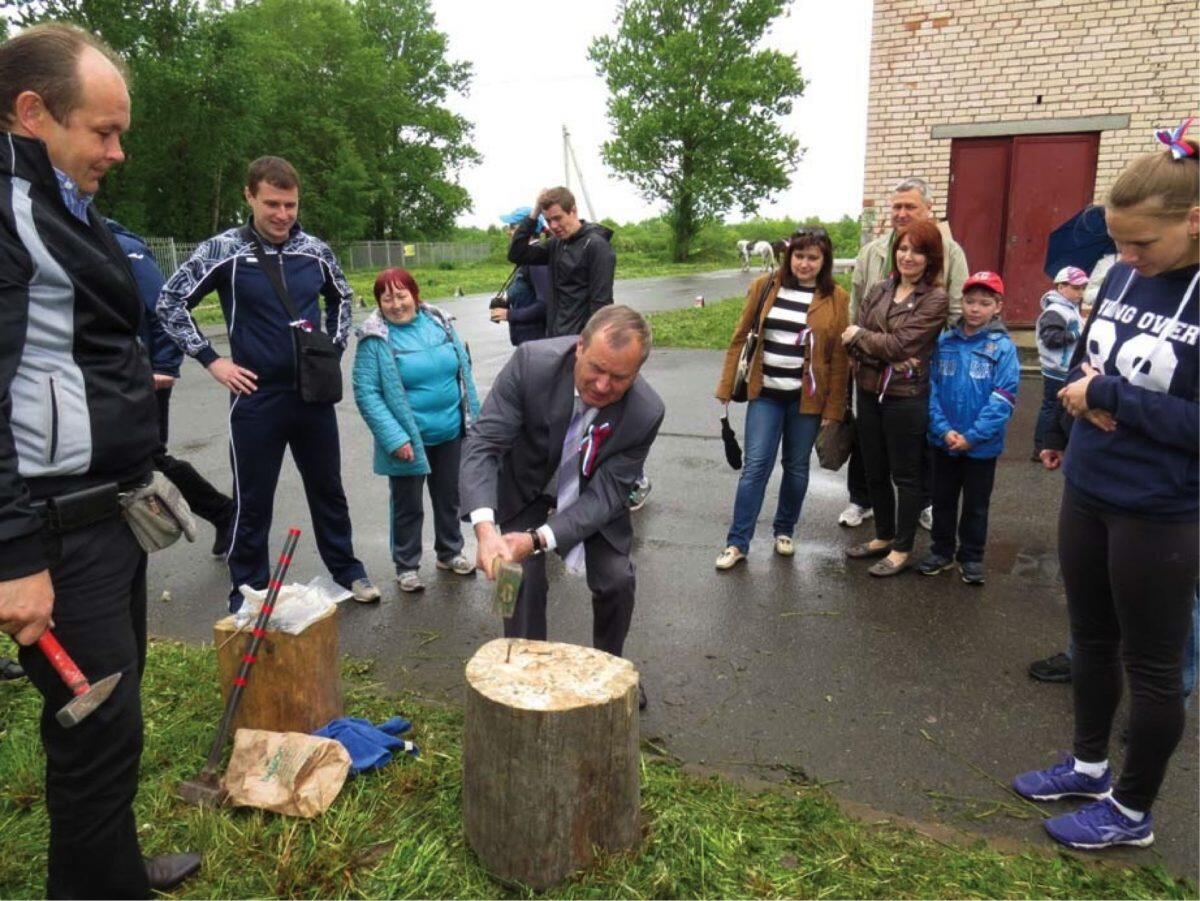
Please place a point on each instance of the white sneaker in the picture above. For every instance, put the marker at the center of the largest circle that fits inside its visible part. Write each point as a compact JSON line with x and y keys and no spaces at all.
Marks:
{"x":730,"y":557}
{"x":457,"y":564}
{"x":363,"y":591}
{"x":854,"y":515}
{"x":410,"y":581}
{"x":926,"y":519}
{"x":784,"y":546}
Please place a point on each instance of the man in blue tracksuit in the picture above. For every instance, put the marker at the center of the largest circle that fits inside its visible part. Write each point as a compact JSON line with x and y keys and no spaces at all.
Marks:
{"x":266,"y":412}
{"x":205,"y":500}
{"x":973,"y":390}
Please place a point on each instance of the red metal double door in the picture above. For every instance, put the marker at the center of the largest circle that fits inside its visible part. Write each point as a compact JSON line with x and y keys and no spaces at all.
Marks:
{"x":1007,"y":194}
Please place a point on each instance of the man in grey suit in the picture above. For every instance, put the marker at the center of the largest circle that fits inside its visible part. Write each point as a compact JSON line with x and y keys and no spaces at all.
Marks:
{"x":550,"y":463}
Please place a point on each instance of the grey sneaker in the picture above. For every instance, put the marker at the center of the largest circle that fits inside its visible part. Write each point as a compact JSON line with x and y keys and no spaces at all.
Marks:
{"x":410,"y":581}
{"x":457,"y":564}
{"x":364,"y":592}
{"x":637,"y":497}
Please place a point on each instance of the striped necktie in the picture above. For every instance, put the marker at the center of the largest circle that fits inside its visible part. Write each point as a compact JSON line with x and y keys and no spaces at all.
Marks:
{"x":568,"y":476}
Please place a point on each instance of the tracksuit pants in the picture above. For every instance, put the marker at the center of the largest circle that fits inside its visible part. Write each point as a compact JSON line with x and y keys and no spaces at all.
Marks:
{"x":261,"y":426}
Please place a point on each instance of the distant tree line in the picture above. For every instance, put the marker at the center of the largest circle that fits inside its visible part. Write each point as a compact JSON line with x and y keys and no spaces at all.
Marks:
{"x":354,"y":94}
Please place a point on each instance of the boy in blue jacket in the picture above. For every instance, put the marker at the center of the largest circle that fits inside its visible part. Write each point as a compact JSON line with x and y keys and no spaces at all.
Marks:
{"x":973,"y":389}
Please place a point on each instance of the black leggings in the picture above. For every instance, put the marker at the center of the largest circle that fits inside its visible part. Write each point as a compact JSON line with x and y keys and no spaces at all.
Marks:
{"x":1130,"y":590}
{"x":891,"y":436}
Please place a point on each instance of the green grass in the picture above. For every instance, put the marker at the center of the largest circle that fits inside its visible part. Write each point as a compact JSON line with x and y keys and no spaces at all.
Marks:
{"x":398,"y":833}
{"x":709,"y":327}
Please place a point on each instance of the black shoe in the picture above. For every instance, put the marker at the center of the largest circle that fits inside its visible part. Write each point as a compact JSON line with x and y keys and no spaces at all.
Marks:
{"x":972,"y":572}
{"x":934,"y":564}
{"x":1052,"y":669}
{"x":641,"y":697}
{"x":167,"y":871}
{"x":223,"y":538}
{"x":10,"y":669}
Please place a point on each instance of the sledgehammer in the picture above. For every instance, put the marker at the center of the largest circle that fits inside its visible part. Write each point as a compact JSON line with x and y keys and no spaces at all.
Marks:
{"x":206,"y":788}
{"x":88,"y":695}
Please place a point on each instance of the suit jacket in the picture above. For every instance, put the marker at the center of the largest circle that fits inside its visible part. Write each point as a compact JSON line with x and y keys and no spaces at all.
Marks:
{"x":515,"y":445}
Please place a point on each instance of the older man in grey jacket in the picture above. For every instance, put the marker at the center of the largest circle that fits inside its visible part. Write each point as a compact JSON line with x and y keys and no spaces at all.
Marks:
{"x":550,"y":463}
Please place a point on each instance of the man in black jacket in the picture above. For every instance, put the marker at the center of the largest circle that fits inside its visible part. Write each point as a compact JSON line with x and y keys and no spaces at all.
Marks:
{"x":78,"y":426}
{"x":580,"y":258}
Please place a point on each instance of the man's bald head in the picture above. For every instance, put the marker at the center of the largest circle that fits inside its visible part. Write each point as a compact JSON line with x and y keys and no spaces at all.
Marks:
{"x":52,"y":61}
{"x":64,"y":87}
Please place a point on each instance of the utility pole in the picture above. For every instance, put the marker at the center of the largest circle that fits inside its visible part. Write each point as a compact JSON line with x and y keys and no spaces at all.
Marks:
{"x":569,"y":158}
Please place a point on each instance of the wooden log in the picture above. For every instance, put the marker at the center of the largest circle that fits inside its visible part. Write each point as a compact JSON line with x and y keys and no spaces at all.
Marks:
{"x":550,"y":758}
{"x":296,"y":684}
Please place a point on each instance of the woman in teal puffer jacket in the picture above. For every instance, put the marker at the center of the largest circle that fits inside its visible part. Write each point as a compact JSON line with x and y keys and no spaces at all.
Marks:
{"x":413,"y":386}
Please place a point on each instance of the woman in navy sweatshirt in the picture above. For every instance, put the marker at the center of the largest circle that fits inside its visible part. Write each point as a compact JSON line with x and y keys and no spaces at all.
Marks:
{"x":1128,"y":524}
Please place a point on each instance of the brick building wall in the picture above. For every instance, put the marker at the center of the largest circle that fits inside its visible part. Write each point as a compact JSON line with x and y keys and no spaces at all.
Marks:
{"x":1016,"y":63}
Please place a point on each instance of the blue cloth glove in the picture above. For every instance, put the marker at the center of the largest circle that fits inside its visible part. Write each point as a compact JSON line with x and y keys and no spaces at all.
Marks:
{"x":370,"y":746}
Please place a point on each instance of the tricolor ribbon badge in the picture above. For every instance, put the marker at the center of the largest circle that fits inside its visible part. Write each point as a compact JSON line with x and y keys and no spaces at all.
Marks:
{"x":589,"y":448}
{"x":1174,"y":139}
{"x":805,"y":339}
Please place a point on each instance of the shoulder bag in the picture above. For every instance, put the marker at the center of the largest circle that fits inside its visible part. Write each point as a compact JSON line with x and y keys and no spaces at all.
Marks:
{"x":318,"y":359}
{"x":741,"y":375}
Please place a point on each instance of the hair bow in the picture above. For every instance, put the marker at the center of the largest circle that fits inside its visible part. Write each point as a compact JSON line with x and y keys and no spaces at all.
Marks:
{"x":1174,"y":139}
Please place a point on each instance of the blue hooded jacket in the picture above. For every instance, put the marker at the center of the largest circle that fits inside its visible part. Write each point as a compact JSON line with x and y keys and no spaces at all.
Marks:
{"x":383,"y":401}
{"x":165,"y":356}
{"x":973,"y":388}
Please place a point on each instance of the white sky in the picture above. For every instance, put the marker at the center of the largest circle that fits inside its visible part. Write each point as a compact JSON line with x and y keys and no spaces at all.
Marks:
{"x":532,"y":76}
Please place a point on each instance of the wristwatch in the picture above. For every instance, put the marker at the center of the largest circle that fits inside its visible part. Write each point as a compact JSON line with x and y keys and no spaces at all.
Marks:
{"x":539,"y":544}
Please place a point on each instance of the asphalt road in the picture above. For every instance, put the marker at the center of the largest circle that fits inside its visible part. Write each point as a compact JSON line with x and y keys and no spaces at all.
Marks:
{"x":907,"y":694}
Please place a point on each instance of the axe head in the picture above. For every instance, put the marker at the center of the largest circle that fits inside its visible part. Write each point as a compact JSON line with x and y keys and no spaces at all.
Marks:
{"x":82,"y":706}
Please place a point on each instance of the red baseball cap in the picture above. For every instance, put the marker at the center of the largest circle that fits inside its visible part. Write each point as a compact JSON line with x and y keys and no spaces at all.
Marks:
{"x":989,"y":280}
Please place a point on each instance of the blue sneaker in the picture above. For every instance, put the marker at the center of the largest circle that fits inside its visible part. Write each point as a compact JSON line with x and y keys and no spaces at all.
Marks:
{"x":1100,"y":825}
{"x":1061,"y":781}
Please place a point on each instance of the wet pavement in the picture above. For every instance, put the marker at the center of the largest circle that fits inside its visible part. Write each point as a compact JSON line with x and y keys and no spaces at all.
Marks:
{"x":906,"y":694}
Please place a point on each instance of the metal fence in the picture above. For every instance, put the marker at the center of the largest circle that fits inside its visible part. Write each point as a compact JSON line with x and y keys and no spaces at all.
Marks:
{"x":369,"y":255}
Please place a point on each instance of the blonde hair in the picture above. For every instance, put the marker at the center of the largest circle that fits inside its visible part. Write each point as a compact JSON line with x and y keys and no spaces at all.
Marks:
{"x":1171,"y":184}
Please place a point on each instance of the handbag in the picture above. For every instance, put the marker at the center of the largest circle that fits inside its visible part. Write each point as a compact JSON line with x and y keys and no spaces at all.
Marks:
{"x":741,"y":375}
{"x":834,"y":443}
{"x":318,"y":359}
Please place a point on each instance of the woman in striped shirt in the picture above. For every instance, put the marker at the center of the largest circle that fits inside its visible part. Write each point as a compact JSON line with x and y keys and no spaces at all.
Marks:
{"x":797,"y":383}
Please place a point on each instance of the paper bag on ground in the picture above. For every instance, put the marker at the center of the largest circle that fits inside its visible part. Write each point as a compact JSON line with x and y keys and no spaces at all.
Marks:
{"x":285,"y":772}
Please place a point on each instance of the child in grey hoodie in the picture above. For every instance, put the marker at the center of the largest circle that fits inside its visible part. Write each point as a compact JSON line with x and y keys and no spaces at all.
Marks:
{"x":1058,"y":330}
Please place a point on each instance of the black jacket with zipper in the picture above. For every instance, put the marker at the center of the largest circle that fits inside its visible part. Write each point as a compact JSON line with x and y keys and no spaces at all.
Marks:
{"x":76,"y":394}
{"x":582,"y":268}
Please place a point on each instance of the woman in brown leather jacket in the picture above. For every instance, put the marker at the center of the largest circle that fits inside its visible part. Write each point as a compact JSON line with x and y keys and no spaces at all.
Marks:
{"x":891,"y":344}
{"x":797,"y":382}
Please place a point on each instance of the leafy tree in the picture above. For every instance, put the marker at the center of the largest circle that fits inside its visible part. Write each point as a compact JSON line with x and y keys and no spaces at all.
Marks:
{"x":352,"y":93}
{"x":695,"y":107}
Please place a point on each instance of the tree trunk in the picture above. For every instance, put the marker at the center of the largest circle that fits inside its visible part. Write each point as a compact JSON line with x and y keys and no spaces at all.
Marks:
{"x":296,"y":684}
{"x":550,"y":758}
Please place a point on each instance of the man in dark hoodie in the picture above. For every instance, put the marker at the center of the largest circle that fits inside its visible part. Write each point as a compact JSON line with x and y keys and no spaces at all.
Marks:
{"x":579,"y":255}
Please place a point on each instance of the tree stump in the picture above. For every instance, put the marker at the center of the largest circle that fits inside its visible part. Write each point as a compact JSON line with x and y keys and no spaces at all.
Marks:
{"x":296,"y":685}
{"x":550,"y":758}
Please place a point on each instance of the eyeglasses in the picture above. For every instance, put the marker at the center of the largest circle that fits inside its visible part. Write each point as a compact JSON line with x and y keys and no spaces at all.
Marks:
{"x":810,"y":231}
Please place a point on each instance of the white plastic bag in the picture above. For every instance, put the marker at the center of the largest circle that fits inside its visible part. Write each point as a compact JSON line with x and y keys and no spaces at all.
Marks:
{"x":297,"y":608}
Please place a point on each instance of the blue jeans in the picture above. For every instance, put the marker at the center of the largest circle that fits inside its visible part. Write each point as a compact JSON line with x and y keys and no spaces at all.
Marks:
{"x":768,"y":421}
{"x":1048,"y":410}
